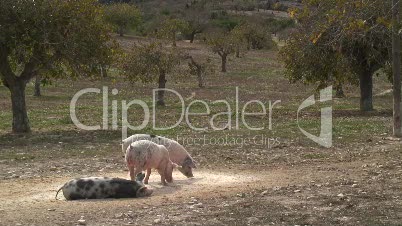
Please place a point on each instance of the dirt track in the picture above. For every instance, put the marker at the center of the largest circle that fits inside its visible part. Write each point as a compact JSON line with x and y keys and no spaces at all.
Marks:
{"x":33,"y":200}
{"x":361,"y":192}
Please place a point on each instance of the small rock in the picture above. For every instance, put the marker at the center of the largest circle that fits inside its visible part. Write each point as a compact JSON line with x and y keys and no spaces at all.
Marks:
{"x":242,"y":195}
{"x":341,"y":195}
{"x":119,"y":215}
{"x":354,"y":185}
{"x":252,"y":220}
{"x":51,"y":209}
{"x":345,"y":218}
{"x":82,"y":222}
{"x":199,"y":205}
{"x":276,"y":188}
{"x":296,"y":191}
{"x":157,"y":221}
{"x":264,"y":192}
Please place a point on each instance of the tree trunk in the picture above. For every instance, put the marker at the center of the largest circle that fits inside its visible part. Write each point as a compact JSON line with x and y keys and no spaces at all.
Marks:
{"x":162,"y":85}
{"x":20,"y":116}
{"x":121,"y":31}
{"x":366,"y":90}
{"x":174,"y":39}
{"x":339,"y":91}
{"x":192,"y":36}
{"x":238,"y":51}
{"x":224,"y":60}
{"x":103,"y":69}
{"x":38,"y":80}
{"x":200,"y":78}
{"x":396,"y":69}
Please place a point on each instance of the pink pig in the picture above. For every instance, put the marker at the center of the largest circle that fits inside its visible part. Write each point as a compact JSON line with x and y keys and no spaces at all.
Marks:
{"x":145,"y":154}
{"x":177,"y":153}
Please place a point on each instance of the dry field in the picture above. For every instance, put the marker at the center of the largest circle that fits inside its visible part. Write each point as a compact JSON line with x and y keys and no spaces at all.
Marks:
{"x":286,"y":180}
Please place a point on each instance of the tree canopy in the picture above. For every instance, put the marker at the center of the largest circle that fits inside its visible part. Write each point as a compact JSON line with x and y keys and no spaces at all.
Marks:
{"x":197,"y":17}
{"x":151,"y":62}
{"x":65,"y":38}
{"x":122,"y":16}
{"x":343,"y":40}
{"x":169,"y":28}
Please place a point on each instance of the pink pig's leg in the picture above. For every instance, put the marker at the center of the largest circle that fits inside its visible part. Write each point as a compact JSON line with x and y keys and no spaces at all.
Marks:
{"x":162,"y":173}
{"x":147,"y":176}
{"x":131,"y":173}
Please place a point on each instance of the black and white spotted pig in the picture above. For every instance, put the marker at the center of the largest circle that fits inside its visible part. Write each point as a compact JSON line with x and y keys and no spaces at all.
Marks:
{"x":104,"y":187}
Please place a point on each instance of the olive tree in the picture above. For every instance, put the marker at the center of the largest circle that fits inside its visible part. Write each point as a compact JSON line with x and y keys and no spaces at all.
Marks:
{"x":169,"y":29}
{"x":354,"y":34}
{"x":252,"y":36}
{"x":62,"y":37}
{"x":151,"y":62}
{"x":122,"y":16}
{"x":311,"y":64}
{"x":199,"y":68}
{"x":197,"y":18}
{"x":223,"y":44}
{"x":240,"y":38}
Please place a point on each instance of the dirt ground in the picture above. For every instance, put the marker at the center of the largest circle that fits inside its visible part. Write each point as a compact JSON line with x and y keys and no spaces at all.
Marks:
{"x":357,"y":187}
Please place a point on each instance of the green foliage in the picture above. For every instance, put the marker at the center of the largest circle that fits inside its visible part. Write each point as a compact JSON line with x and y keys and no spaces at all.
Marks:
{"x":122,"y":16}
{"x":197,"y":17}
{"x":245,"y":5}
{"x":52,"y":35}
{"x":227,"y":23}
{"x":63,"y":38}
{"x":280,"y":7}
{"x":165,"y":12}
{"x":200,"y":66}
{"x":222,"y":43}
{"x":146,"y":62}
{"x":253,"y":35}
{"x":313,"y":64}
{"x":276,"y":25}
{"x":218,"y":14}
{"x":171,"y":27}
{"x":338,"y":39}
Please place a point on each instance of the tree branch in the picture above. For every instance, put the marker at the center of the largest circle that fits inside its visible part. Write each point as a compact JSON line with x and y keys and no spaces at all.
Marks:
{"x":30,"y":68}
{"x":6,"y":73}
